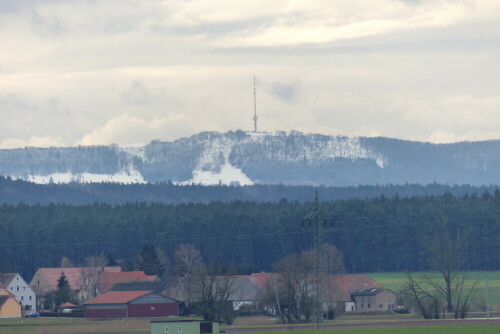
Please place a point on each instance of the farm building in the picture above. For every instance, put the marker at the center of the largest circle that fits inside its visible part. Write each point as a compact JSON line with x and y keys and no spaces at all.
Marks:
{"x":374,"y":300}
{"x":341,"y":288}
{"x":159,"y":287}
{"x":131,"y":304}
{"x":185,"y":327}
{"x":97,"y":284}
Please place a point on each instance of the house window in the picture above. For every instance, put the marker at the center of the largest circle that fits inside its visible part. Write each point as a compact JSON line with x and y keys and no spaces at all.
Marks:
{"x":18,"y":288}
{"x":24,"y":288}
{"x":22,"y":297}
{"x":179,"y":329}
{"x":391,"y":306}
{"x":30,"y":297}
{"x":166,"y":329}
{"x":369,"y":305}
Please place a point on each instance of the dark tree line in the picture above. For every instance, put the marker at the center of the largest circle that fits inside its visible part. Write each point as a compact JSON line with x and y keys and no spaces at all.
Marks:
{"x":378,"y":234}
{"x":17,"y":191}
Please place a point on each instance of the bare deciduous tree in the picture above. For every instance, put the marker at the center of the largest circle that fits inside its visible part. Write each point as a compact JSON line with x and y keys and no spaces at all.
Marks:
{"x":187,"y":257}
{"x":213,"y":288}
{"x":446,"y":251}
{"x":92,"y":276}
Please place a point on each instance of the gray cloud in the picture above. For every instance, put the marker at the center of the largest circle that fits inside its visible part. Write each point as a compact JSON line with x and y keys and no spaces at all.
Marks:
{"x":83,"y":71}
{"x":137,"y":94}
{"x":287,"y":92}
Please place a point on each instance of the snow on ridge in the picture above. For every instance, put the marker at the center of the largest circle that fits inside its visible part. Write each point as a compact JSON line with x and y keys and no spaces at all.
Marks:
{"x":134,"y":150}
{"x":312,"y":150}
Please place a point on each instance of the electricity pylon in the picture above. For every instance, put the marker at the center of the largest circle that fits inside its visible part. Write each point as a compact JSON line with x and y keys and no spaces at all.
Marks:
{"x":318,"y":222}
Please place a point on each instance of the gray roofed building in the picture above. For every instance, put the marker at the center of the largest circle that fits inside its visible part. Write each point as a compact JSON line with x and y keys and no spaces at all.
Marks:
{"x":140,"y":286}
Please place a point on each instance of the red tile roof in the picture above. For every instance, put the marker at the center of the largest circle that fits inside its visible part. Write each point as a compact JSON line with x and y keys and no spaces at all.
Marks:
{"x":73,"y":275}
{"x":153,"y":278}
{"x":110,"y":279}
{"x":261,"y":279}
{"x":118,"y":297}
{"x":343,"y":286}
{"x":6,"y":278}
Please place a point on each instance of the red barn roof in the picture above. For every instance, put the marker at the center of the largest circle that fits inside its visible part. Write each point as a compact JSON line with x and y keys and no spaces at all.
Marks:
{"x":118,"y":297}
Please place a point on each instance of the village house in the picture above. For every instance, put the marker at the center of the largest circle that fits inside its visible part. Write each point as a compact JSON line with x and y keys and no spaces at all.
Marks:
{"x":341,"y":288}
{"x":21,"y":290}
{"x":374,"y":300}
{"x":128,"y":304}
{"x":9,"y":306}
{"x":45,"y":280}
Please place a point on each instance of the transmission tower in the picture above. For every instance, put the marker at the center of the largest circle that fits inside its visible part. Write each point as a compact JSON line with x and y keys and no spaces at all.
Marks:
{"x":318,"y":222}
{"x":255,"y":118}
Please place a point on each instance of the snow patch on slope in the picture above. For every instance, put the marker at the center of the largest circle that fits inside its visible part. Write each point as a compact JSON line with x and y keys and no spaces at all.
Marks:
{"x":127,"y":177}
{"x":228,"y":175}
{"x":214,"y":167}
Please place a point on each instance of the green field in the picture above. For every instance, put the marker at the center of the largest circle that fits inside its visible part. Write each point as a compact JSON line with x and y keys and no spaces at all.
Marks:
{"x":394,"y":281}
{"x":68,"y":326}
{"x":465,"y":329}
{"x":82,"y":326}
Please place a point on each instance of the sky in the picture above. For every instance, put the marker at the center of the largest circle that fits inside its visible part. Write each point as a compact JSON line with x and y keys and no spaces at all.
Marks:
{"x":98,"y":72}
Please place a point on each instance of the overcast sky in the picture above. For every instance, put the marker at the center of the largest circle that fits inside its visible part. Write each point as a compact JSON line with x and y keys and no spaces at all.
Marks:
{"x":87,"y":72}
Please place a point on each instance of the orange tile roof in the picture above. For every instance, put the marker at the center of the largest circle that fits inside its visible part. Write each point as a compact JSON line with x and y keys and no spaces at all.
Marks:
{"x":261,"y":279}
{"x":73,"y":275}
{"x":117,"y":297}
{"x":110,"y":279}
{"x":345,"y":285}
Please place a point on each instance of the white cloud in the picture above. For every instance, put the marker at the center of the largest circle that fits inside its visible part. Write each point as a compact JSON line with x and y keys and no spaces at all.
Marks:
{"x":31,"y":142}
{"x":126,"y":129}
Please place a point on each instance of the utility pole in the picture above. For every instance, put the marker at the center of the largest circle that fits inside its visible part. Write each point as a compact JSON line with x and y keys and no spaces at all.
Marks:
{"x":487,"y":297}
{"x":255,"y":118}
{"x":318,"y":222}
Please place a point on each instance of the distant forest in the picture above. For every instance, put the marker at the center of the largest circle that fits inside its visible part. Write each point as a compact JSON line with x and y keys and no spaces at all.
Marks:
{"x":376,"y":234}
{"x":14,"y":192}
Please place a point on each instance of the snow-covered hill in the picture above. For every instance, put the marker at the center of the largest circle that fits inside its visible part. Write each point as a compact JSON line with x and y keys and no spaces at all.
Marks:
{"x":241,"y":158}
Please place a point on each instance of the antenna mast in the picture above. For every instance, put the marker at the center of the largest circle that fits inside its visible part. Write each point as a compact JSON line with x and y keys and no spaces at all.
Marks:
{"x":255,"y":118}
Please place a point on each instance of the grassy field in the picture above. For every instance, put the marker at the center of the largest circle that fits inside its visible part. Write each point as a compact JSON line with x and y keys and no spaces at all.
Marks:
{"x":82,"y":326}
{"x":77,"y":326}
{"x":466,"y":329}
{"x":394,"y":281}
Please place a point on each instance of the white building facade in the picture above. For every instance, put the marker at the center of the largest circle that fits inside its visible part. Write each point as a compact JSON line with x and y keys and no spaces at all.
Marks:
{"x":21,"y":290}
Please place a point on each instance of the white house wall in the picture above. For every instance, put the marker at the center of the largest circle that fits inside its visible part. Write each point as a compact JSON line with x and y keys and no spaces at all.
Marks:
{"x":23,"y":292}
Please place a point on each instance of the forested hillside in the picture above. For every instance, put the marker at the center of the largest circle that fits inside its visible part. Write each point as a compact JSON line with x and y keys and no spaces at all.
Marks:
{"x":246,"y":158}
{"x":379,"y":234}
{"x":17,"y":191}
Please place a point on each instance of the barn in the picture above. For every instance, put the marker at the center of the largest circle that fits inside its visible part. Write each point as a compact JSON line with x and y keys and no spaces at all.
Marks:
{"x":131,"y":304}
